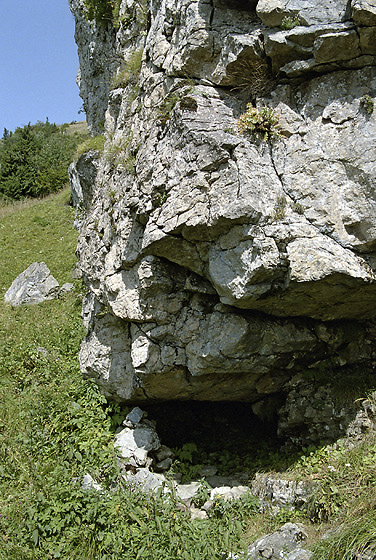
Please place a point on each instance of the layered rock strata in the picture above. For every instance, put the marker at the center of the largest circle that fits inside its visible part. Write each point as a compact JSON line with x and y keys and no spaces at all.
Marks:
{"x":220,"y":266}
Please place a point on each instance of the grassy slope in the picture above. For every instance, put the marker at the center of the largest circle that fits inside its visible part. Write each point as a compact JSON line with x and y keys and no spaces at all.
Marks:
{"x":54,"y":427}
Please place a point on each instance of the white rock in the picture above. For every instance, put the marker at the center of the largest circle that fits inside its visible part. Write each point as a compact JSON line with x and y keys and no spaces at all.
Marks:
{"x":35,"y":285}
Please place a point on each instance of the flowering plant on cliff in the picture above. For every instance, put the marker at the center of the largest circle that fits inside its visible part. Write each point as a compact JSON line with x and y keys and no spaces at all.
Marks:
{"x":262,"y":122}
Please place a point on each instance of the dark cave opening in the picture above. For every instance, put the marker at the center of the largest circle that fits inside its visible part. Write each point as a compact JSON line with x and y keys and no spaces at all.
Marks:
{"x":226,"y":433}
{"x":210,"y":424}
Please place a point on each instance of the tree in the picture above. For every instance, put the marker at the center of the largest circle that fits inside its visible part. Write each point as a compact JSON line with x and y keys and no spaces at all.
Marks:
{"x":17,"y":169}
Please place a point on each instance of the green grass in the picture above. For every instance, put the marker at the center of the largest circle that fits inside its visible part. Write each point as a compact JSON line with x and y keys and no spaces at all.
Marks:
{"x":37,"y":230}
{"x":55,"y":426}
{"x":93,"y":143}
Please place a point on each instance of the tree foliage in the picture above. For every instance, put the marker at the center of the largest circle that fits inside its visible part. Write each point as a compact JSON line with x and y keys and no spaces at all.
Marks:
{"x":34,"y":159}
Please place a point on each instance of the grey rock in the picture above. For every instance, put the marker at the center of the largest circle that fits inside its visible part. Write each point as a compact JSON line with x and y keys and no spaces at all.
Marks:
{"x":145,"y":480}
{"x":42,"y":352}
{"x":364,"y":12}
{"x":135,"y":444}
{"x":310,"y":12}
{"x":164,"y":465}
{"x":82,"y":175}
{"x":76,"y":273}
{"x":364,"y":422}
{"x":312,"y":413}
{"x":66,"y":289}
{"x":336,"y":46}
{"x":367,"y":37}
{"x":220,"y":266}
{"x":134,"y":417}
{"x":299,"y":554}
{"x":187,"y":491}
{"x":35,"y":285}
{"x":98,"y":62}
{"x":287,"y":540}
{"x":275,"y":493}
{"x":88,"y":483}
{"x":229,"y":492}
{"x":198,"y":513}
{"x":164,"y":453}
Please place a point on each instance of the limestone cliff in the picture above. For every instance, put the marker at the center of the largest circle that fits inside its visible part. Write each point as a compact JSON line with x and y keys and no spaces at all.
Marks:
{"x":220,"y":265}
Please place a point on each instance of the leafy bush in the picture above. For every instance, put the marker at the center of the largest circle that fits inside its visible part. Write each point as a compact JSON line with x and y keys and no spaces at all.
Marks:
{"x":34,"y":160}
{"x":261,"y":122}
{"x":100,"y":10}
{"x":105,"y":11}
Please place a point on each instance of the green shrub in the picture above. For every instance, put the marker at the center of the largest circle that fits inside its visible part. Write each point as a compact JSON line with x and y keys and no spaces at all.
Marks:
{"x":260,"y":122}
{"x":108,"y":11}
{"x":99,"y":10}
{"x":129,"y":73}
{"x":280,"y":208}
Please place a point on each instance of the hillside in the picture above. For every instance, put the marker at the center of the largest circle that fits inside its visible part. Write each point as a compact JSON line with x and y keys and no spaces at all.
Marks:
{"x":226,"y":212}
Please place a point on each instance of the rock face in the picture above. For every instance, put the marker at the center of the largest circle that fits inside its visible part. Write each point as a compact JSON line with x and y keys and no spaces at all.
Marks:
{"x":34,"y":285}
{"x":221,"y":266}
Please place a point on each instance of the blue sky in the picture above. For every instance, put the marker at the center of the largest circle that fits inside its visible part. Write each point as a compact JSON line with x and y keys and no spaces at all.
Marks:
{"x":38,"y":63}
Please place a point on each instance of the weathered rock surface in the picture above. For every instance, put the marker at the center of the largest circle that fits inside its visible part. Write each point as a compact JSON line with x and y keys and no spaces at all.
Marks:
{"x":278,"y":493}
{"x":138,"y":440}
{"x":82,"y":175}
{"x":220,"y":266}
{"x":34,"y":285}
{"x":287,"y":542}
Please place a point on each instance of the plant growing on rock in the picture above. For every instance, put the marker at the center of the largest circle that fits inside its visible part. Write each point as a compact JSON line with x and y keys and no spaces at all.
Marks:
{"x":280,"y":208}
{"x":105,"y":11}
{"x":260,"y":122}
{"x":179,"y":93}
{"x":289,"y":22}
{"x":95,"y":143}
{"x":129,"y":72}
{"x":253,"y":77}
{"x":367,"y":103}
{"x":99,"y":10}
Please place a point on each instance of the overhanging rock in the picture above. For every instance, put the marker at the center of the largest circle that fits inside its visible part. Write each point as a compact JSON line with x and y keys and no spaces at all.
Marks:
{"x":219,"y":265}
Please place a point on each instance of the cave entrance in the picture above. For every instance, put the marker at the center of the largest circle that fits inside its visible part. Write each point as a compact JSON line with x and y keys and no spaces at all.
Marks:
{"x":227,"y":434}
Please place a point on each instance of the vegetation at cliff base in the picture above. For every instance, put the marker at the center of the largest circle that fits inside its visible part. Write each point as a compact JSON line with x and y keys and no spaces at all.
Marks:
{"x":55,"y":427}
{"x":34,"y":159}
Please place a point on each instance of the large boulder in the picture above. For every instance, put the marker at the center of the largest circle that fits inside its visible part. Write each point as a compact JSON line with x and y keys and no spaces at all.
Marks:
{"x":35,"y":285}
